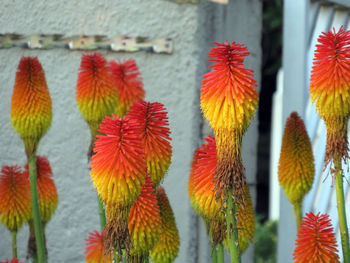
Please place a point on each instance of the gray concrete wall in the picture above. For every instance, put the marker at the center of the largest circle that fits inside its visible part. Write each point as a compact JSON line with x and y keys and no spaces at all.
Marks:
{"x":173,"y":80}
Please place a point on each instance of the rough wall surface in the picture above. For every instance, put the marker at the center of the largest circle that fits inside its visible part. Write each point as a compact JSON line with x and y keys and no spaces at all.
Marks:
{"x":169,"y":79}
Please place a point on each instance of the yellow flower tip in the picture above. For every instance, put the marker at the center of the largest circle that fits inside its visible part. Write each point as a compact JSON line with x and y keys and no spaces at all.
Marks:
{"x":47,"y":192}
{"x":15,"y":200}
{"x":167,"y":247}
{"x":145,"y":223}
{"x":296,"y":165}
{"x":228,"y":95}
{"x":31,"y":107}
{"x":96,"y":92}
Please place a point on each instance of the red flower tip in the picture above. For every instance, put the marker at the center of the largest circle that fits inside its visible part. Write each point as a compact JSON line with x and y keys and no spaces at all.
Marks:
{"x":15,"y":201}
{"x":14,"y":260}
{"x":129,"y":84}
{"x":118,"y":166}
{"x":154,"y":128}
{"x":94,"y":251}
{"x":316,"y":240}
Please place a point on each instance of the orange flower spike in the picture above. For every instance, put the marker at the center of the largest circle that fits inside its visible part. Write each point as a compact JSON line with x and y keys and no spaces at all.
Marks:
{"x":129,"y":84}
{"x":47,"y":191}
{"x":95,"y":252}
{"x":228,"y":95}
{"x":145,"y":223}
{"x":316,"y":240}
{"x":15,"y":201}
{"x":167,"y":247}
{"x":296,"y":165}
{"x":153,"y":121}
{"x":31,"y":107}
{"x":330,"y":89}
{"x":118,"y":166}
{"x":96,"y":92}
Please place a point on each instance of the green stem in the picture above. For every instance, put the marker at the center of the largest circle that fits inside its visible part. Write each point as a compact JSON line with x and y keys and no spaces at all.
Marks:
{"x":214,"y":254}
{"x":14,"y":244}
{"x":220,"y":253}
{"x":39,"y":240}
{"x":146,"y":260}
{"x":232,"y":229}
{"x":115,"y":256}
{"x":102,"y":213}
{"x":344,"y":233}
{"x":298,"y":213}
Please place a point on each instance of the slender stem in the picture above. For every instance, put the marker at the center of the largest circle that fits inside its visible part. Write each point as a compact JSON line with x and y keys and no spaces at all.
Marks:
{"x":220,"y":253}
{"x":214,"y":254}
{"x":232,"y":230}
{"x":102,"y":213}
{"x":344,"y":233}
{"x":298,"y":213}
{"x":146,"y":260}
{"x":39,"y":240}
{"x":115,"y":256}
{"x":14,"y":244}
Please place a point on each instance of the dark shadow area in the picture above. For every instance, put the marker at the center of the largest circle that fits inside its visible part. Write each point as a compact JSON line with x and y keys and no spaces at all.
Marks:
{"x":271,"y":62}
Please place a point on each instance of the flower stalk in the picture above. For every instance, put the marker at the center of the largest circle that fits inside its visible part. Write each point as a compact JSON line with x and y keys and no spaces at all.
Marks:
{"x":38,"y":230}
{"x":298,"y":213}
{"x":220,"y":253}
{"x":102,"y":212}
{"x":344,"y":232}
{"x":14,"y":244}
{"x":232,"y":230}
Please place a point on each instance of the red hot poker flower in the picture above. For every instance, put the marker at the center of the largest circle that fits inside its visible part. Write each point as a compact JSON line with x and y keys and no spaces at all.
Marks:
{"x":330,"y":89}
{"x":129,"y":84}
{"x":145,"y":223}
{"x":153,"y":120}
{"x":15,"y":201}
{"x":97,"y":95}
{"x":95,"y":252}
{"x":316,"y":240}
{"x":31,"y":109}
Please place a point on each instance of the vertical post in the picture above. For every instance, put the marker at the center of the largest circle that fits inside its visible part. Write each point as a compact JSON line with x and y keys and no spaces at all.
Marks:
{"x":295,"y":31}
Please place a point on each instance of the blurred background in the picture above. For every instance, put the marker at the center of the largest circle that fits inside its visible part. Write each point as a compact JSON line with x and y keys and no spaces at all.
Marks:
{"x":177,"y":35}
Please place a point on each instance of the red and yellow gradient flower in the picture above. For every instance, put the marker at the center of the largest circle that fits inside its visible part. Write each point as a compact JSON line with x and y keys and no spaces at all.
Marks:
{"x":316,"y":240}
{"x":15,"y":201}
{"x":31,"y":107}
{"x":190,"y":187}
{"x":117,"y":170}
{"x":330,"y":89}
{"x":153,"y":120}
{"x":296,"y":165}
{"x":167,"y":247}
{"x":97,"y":95}
{"x":47,"y":192}
{"x":95,"y":251}
{"x":209,"y":207}
{"x":228,"y":102}
{"x":129,"y":84}
{"x":145,"y":223}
